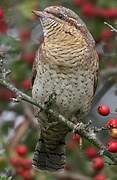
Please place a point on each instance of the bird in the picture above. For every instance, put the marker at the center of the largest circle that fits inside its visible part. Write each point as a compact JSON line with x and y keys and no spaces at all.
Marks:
{"x":66,"y":65}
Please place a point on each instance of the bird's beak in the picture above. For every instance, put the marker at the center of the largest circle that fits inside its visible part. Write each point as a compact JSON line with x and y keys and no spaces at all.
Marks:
{"x":38,"y":13}
{"x":41,"y":14}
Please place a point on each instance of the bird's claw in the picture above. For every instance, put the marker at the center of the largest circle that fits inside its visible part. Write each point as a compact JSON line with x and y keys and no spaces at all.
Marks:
{"x":76,"y":127}
{"x":80,"y":124}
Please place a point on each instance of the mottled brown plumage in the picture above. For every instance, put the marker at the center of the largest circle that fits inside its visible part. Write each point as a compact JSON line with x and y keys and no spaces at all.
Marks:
{"x":66,"y":64}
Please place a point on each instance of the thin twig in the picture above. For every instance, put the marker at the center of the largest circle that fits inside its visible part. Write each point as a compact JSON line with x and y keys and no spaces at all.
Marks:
{"x":70,"y":176}
{"x":112,"y":28}
{"x":19,"y":94}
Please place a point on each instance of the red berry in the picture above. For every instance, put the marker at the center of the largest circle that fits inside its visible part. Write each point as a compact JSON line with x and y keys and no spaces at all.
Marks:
{"x":112,"y":146}
{"x":88,"y":10}
{"x":76,"y":138}
{"x":22,"y":150}
{"x":91,"y":152}
{"x":112,"y":123}
{"x":29,"y":58}
{"x":104,"y":110}
{"x":26,"y":163}
{"x":26,"y":174}
{"x":19,"y":170}
{"x":106,"y":35}
{"x":1,"y":13}
{"x":15,"y":162}
{"x":26,"y":84}
{"x":25,"y":36}
{"x":100,"y":177}
{"x":98,"y":163}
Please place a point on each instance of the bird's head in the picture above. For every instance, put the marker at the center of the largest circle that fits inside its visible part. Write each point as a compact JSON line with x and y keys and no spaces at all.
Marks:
{"x":58,"y":18}
{"x":63,"y":30}
{"x":58,"y":14}
{"x":54,"y":16}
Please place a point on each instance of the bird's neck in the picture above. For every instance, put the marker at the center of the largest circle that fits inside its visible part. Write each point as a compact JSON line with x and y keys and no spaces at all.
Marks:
{"x":66,"y":47}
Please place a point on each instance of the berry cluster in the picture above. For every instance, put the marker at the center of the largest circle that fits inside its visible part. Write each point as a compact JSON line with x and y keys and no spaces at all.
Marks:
{"x":111,"y":125}
{"x":90,"y":10}
{"x":91,"y":154}
{"x":21,"y":164}
{"x":97,"y":162}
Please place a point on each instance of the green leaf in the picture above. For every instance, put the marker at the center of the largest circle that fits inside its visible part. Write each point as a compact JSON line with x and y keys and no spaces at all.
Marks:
{"x":27,"y":7}
{"x":19,"y":70}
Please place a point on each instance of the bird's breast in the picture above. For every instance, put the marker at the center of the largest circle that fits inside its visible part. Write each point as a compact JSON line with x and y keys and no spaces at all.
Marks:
{"x":69,"y":53}
{"x":72,"y":90}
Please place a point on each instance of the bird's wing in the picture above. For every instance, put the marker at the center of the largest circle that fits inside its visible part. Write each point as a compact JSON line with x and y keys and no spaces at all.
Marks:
{"x":96,"y":73}
{"x":34,"y":72}
{"x":37,"y":33}
{"x":40,"y":56}
{"x":35,"y":64}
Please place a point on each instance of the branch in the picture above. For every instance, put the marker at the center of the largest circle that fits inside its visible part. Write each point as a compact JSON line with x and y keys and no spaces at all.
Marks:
{"x":83,"y":130}
{"x":70,"y":176}
{"x":110,"y":26}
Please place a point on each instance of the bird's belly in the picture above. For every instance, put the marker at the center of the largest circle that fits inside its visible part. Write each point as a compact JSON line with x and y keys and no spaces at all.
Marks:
{"x":72,"y":93}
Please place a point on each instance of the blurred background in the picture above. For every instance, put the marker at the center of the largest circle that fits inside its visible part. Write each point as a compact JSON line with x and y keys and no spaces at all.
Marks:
{"x":20,"y":36}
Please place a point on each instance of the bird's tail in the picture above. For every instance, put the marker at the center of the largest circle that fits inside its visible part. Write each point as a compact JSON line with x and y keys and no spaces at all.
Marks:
{"x":51,"y":159}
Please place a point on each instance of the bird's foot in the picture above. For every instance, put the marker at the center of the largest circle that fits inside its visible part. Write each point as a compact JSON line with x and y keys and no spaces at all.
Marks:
{"x":81,"y":125}
{"x":77,"y":126}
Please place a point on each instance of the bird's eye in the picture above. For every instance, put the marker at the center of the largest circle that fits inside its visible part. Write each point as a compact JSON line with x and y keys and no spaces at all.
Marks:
{"x":61,"y":16}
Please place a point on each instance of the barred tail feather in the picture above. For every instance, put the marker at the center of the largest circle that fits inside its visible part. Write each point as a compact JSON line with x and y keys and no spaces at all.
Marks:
{"x":51,"y":160}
